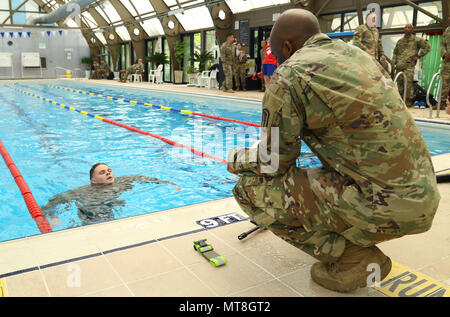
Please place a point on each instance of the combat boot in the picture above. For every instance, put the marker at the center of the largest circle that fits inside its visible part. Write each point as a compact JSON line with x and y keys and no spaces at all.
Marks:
{"x":350,"y":272}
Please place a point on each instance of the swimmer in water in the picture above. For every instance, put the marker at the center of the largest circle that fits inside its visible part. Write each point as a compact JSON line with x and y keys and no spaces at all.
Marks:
{"x":95,"y":202}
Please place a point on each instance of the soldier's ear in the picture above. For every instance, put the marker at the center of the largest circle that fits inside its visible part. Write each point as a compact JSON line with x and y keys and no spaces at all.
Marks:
{"x":288,"y":48}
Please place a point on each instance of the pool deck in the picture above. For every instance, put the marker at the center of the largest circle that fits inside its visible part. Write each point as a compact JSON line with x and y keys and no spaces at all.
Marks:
{"x":153,"y":255}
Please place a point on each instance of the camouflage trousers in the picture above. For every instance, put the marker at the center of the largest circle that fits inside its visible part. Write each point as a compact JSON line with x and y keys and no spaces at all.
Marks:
{"x":445,"y":72}
{"x":228,"y":70}
{"x":239,"y":76}
{"x":409,"y":72}
{"x":130,"y":70}
{"x":287,"y":206}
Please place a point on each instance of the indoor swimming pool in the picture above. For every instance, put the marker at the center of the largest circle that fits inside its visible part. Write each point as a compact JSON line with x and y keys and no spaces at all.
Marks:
{"x":54,"y":148}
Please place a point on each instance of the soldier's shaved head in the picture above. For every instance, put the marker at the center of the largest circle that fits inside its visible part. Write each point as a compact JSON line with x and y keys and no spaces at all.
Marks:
{"x":409,"y":29}
{"x":292,"y":29}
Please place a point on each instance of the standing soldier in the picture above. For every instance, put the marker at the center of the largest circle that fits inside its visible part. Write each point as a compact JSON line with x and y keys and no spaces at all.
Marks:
{"x":404,"y":59}
{"x":241,"y":63}
{"x":262,"y":55}
{"x":445,"y":53}
{"x":228,"y":54}
{"x":367,"y":38}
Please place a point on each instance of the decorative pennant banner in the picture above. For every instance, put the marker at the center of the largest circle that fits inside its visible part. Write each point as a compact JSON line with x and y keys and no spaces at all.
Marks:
{"x":48,"y":33}
{"x":42,"y":33}
{"x":29,"y":34}
{"x":2,"y":34}
{"x":20,"y":34}
{"x":60,"y":32}
{"x":54,"y":33}
{"x":11,"y":34}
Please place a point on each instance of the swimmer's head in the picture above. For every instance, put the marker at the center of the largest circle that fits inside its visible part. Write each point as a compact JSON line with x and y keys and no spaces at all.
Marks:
{"x":101,"y":173}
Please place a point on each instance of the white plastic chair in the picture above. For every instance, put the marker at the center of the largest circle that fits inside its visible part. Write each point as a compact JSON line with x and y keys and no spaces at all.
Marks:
{"x":211,"y":82}
{"x":156,"y":75}
{"x":135,"y":78}
{"x":203,"y":78}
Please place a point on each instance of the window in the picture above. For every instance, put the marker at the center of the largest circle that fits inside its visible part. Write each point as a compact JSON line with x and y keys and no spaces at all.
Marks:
{"x":238,"y":6}
{"x":196,"y":18}
{"x":153,"y":27}
{"x":125,"y":58}
{"x":187,"y":40}
{"x":397,"y":17}
{"x":330,"y":23}
{"x":434,"y":7}
{"x":210,"y":40}
{"x":167,"y":72}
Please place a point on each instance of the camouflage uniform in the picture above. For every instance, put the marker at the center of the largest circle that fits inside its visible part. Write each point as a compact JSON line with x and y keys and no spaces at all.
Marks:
{"x":368,"y":39}
{"x":239,"y":75}
{"x":445,"y":49}
{"x":406,"y":48}
{"x":228,"y":55}
{"x":95,"y":73}
{"x":133,"y":69}
{"x":377,"y":181}
{"x":104,"y":70}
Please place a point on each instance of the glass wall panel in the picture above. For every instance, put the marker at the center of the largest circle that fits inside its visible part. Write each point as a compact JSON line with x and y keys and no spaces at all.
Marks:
{"x":187,"y":55}
{"x":434,"y":7}
{"x":397,"y":17}
{"x":197,"y":38}
{"x":389,"y":42}
{"x":210,"y":40}
{"x":167,"y":72}
{"x":149,"y":53}
{"x":330,"y":23}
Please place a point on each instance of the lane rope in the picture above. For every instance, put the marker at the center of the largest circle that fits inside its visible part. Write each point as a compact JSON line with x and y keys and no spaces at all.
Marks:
{"x":168,"y":141}
{"x":152,"y":105}
{"x":33,"y":208}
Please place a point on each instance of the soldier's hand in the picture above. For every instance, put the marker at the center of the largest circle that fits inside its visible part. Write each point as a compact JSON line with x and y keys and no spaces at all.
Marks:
{"x":369,"y":52}
{"x":383,"y":57}
{"x":226,"y":67}
{"x":447,"y":57}
{"x":414,"y":58}
{"x":230,"y":169}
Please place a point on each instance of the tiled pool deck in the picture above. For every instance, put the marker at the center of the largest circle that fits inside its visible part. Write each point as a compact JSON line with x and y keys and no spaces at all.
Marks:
{"x":153,"y":255}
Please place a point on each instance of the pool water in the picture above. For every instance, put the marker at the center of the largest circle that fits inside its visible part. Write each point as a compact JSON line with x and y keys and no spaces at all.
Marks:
{"x":54,"y":148}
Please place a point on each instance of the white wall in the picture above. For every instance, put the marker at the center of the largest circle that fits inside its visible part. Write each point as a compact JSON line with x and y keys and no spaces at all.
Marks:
{"x":53,"y":47}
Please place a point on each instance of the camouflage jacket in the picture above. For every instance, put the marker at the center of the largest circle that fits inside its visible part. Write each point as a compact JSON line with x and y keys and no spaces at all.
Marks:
{"x":139,"y":67}
{"x":368,"y":39}
{"x":408,"y":47}
{"x":241,"y":59}
{"x":227,"y":53}
{"x":335,"y":98}
{"x":445,"y":42}
{"x":104,"y":67}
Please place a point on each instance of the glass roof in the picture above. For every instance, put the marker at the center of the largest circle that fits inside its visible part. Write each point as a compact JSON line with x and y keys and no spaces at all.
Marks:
{"x":237,"y":6}
{"x":192,"y":14}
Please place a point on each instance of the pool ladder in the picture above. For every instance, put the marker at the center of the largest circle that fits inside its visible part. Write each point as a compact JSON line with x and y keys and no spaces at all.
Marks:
{"x":438,"y":108}
{"x":405,"y":83}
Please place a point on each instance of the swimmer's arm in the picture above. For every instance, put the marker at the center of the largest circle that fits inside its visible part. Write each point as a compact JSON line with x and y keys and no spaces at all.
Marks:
{"x":283,"y":122}
{"x":63,"y":198}
{"x":146,"y":179}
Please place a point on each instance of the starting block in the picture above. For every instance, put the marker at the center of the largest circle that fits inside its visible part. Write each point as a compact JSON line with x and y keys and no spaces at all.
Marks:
{"x":208,"y":252}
